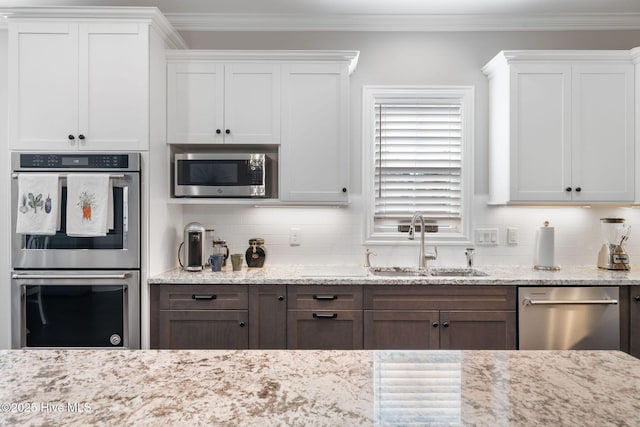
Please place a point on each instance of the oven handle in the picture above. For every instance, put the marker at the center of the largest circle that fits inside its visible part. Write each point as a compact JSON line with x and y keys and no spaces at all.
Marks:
{"x":64,"y":176}
{"x":123,"y":276}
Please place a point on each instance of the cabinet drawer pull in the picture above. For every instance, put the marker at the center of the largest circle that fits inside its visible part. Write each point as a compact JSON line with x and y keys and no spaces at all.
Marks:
{"x":325,"y":316}
{"x":325,"y":297}
{"x":203,"y":297}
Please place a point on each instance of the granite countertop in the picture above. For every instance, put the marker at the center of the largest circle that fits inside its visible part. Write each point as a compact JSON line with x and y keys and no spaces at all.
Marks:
{"x":357,"y":275}
{"x":313,"y":387}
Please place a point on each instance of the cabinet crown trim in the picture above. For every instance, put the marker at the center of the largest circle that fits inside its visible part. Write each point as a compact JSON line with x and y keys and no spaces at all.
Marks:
{"x":150,"y":15}
{"x":507,"y":57}
{"x":195,"y":55}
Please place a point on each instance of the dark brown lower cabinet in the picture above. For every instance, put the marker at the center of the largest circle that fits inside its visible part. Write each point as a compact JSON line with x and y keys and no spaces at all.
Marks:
{"x":634,"y":321}
{"x":478,"y":330}
{"x":326,"y":330}
{"x":210,"y":329}
{"x":396,"y":329}
{"x":199,"y":316}
{"x":268,"y":316}
{"x":440,"y":317}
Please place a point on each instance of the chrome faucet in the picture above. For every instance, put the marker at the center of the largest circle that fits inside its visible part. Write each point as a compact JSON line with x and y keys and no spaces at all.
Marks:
{"x":469,"y":253}
{"x":422,"y":261}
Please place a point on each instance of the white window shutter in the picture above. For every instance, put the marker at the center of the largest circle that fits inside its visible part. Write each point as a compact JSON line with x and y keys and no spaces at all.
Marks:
{"x":418,"y":160}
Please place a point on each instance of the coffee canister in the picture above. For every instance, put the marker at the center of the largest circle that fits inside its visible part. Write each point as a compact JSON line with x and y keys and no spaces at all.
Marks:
{"x":255,"y":254}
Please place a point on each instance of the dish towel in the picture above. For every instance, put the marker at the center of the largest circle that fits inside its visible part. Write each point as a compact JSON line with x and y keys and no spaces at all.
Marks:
{"x":38,"y":200}
{"x":87,"y":205}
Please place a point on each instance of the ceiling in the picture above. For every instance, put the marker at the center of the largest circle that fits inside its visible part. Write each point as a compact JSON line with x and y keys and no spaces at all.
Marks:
{"x":359,"y":6}
{"x":422,"y":15}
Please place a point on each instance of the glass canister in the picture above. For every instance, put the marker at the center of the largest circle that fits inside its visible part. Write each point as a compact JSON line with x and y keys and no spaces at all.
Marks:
{"x":256,"y":253}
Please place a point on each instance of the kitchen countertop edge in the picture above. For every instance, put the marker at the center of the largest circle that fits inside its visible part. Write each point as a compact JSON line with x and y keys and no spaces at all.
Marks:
{"x":357,"y":275}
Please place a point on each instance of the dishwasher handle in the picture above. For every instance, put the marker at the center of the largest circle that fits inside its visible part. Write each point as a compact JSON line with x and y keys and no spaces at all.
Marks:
{"x":527,"y":301}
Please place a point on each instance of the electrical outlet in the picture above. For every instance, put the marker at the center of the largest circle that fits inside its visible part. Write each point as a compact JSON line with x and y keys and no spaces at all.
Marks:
{"x":294,"y":237}
{"x":512,"y":236}
{"x":487,"y":236}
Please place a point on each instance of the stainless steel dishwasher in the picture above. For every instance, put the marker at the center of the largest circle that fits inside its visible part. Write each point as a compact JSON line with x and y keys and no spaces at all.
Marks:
{"x":569,"y":318}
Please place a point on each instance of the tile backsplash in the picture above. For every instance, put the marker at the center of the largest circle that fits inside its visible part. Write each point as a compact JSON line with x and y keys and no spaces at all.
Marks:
{"x":333,"y":235}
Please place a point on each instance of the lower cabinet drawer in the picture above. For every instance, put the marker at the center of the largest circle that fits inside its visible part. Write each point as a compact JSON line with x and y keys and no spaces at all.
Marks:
{"x":203,"y":329}
{"x":324,"y":297}
{"x":323,"y":329}
{"x":204,"y":297}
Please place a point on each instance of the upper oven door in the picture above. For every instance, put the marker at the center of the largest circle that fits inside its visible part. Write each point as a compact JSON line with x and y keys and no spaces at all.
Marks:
{"x":120,"y":248}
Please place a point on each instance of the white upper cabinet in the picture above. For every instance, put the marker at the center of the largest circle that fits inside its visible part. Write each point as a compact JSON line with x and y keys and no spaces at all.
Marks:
{"x":214,"y":102}
{"x":78,"y":86}
{"x":314,"y":155}
{"x":561,"y":127}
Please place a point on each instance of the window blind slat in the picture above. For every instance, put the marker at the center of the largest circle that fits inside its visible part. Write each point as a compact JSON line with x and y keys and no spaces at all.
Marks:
{"x":418,"y":160}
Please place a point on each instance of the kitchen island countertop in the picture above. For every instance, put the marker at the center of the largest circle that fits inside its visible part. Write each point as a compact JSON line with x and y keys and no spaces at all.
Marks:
{"x":357,"y":275}
{"x":284,"y":387}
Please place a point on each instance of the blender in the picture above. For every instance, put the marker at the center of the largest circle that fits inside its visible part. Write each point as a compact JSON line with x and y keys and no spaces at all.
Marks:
{"x":612,"y":255}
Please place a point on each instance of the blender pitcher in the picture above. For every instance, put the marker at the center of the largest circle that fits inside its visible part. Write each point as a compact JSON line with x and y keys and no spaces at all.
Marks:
{"x":612,"y":255}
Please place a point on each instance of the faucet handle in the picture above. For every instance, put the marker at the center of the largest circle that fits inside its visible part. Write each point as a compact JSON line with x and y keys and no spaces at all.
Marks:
{"x":433,"y":256}
{"x":367,"y":256}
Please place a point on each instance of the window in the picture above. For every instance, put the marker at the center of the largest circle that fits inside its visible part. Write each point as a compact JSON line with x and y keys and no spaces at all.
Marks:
{"x":418,"y":158}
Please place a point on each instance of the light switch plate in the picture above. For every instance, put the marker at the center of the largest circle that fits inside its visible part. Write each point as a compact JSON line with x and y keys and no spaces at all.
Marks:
{"x":487,"y":236}
{"x":512,"y":236}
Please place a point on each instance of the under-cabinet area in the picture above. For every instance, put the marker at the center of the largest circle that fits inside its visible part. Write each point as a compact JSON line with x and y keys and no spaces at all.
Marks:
{"x":333,"y":317}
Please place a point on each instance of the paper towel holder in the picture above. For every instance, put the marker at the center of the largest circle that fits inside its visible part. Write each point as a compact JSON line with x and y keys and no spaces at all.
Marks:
{"x":545,"y":242}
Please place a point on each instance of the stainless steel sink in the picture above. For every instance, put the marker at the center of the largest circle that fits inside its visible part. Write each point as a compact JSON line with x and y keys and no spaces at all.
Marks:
{"x":434,"y":272}
{"x":398,"y":271}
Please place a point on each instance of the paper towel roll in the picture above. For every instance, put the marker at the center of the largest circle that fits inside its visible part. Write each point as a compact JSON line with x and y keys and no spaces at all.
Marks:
{"x":545,"y":244}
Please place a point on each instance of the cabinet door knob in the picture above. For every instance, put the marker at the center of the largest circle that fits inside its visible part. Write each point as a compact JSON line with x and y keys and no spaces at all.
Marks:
{"x":81,"y":136}
{"x":218,"y":131}
{"x":71,"y":137}
{"x":280,"y":298}
{"x":434,"y":324}
{"x":242,"y":324}
{"x":227,"y":131}
{"x":567,"y":189}
{"x":344,"y":189}
{"x":445,"y":325}
{"x":637,"y":298}
{"x":578,"y":189}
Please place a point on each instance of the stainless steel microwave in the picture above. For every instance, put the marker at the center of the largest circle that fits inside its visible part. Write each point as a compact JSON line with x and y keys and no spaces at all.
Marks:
{"x":220,"y":175}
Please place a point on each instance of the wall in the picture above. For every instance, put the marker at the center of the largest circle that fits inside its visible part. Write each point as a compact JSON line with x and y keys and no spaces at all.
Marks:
{"x":5,"y":289}
{"x":334,"y":235}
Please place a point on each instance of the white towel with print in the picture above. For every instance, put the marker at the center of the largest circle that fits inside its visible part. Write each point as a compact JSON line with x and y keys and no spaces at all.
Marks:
{"x":87,"y":205}
{"x":38,"y":200}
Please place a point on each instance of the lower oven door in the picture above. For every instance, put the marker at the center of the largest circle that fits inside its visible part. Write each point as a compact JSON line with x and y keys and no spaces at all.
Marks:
{"x":75,"y":309}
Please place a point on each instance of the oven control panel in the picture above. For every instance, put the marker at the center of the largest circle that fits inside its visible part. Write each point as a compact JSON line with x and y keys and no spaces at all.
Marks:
{"x":72,"y":161}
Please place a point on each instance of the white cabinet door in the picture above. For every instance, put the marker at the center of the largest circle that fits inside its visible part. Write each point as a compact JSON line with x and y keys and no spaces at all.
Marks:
{"x":195,"y":103}
{"x":43,"y":89}
{"x":603,"y":133}
{"x":114,"y":87}
{"x":79,"y":86}
{"x":314,"y":150}
{"x":252,"y":103}
{"x":212,"y":102}
{"x":540,"y":161}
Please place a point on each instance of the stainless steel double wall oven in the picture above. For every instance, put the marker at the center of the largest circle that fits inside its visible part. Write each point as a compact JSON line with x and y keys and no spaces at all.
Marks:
{"x":78,"y":291}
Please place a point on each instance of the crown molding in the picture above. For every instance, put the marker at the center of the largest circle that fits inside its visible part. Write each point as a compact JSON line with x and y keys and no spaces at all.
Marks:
{"x":152,"y":15}
{"x":402,"y":22}
{"x":197,"y":55}
{"x":507,"y":57}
